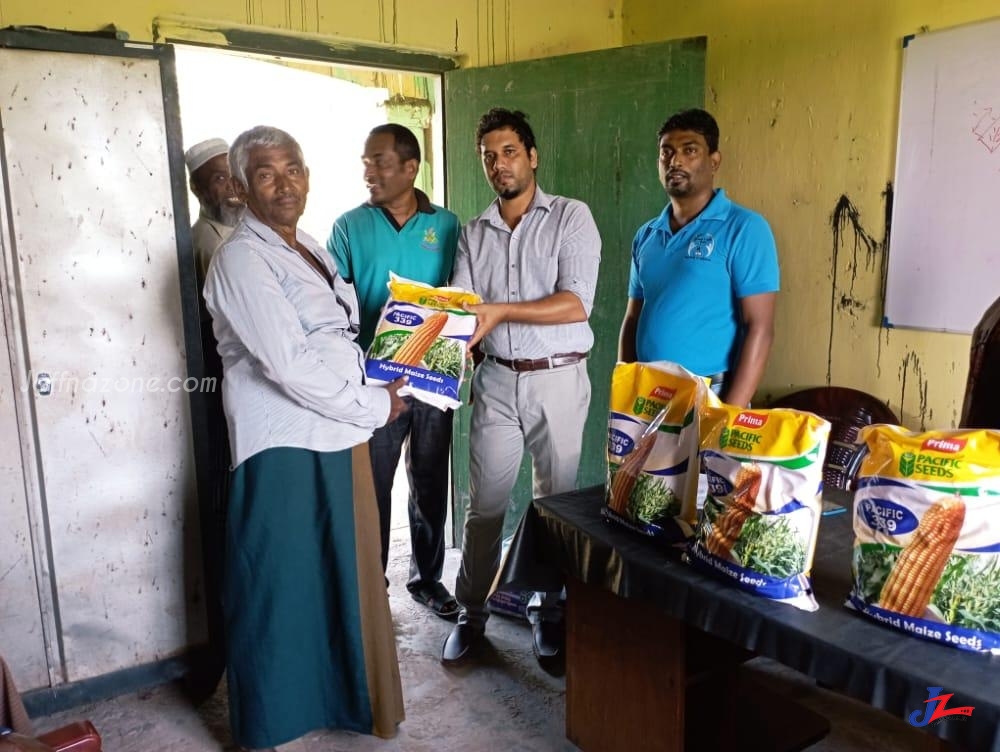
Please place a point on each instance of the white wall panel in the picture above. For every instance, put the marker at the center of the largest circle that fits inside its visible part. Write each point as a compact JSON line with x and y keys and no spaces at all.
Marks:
{"x":91,"y":229}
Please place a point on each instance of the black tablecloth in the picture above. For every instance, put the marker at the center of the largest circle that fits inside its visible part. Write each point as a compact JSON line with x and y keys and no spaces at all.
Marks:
{"x":565,"y":535}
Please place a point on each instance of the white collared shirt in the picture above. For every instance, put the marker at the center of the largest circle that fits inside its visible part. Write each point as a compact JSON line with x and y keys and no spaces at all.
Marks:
{"x":555,"y":247}
{"x":293,"y":374}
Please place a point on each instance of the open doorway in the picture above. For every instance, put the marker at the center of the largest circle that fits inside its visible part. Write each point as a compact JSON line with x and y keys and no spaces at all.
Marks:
{"x":329,"y":109}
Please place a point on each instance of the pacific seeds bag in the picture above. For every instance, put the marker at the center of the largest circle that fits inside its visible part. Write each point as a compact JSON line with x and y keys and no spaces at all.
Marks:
{"x":927,"y":535}
{"x":653,"y":479}
{"x":762,"y":513}
{"x":422,"y":333}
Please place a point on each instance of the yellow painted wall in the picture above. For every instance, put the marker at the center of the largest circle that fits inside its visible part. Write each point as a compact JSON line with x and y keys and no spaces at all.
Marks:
{"x":807,"y":97}
{"x":484,"y":32}
{"x":806,"y":94}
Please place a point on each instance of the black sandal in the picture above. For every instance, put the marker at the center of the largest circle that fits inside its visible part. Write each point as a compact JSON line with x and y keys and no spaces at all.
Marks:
{"x":437,"y":598}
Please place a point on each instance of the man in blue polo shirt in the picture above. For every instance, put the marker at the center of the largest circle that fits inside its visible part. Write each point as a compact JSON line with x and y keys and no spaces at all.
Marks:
{"x":398,"y":229}
{"x":704,"y":273}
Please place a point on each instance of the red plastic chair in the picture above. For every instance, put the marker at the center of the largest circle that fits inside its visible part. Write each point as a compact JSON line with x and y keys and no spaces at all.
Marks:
{"x":76,"y":737}
{"x":847,"y":410}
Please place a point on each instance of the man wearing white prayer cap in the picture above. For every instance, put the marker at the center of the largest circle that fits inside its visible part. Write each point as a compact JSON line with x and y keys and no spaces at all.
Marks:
{"x":211,"y":183}
{"x":221,"y":210}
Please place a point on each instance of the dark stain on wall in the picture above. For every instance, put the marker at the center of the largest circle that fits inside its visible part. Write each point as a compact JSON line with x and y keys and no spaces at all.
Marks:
{"x":911,"y":364}
{"x":883,"y":333}
{"x":851,"y":305}
{"x":845,"y":220}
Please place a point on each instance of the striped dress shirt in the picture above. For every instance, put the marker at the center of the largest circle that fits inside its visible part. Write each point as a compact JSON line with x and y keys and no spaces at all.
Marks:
{"x":555,"y":247}
{"x":293,"y":373}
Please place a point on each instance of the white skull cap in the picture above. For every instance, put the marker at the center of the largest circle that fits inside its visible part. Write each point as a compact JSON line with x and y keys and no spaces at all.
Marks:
{"x":203,"y":151}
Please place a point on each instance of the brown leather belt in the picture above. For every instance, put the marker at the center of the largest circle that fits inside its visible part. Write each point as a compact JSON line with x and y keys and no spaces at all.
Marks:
{"x":539,"y":364}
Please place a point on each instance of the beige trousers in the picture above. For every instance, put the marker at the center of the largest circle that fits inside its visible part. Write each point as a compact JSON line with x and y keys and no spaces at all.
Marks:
{"x":544,"y":411}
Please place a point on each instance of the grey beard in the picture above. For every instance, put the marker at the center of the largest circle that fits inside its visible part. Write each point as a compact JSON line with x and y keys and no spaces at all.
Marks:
{"x":229,"y":215}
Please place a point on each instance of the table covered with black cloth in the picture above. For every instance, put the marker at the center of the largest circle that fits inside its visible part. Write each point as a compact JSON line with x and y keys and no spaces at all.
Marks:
{"x":565,"y":535}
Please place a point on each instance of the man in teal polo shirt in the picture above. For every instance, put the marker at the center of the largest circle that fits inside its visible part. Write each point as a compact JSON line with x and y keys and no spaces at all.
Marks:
{"x":704,"y":273}
{"x":398,"y":229}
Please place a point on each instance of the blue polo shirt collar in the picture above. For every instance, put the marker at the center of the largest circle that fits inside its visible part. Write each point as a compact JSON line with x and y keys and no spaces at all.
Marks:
{"x":424,"y":206}
{"x":717,"y":210}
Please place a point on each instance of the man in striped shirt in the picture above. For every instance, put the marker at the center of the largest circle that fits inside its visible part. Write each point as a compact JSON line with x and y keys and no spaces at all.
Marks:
{"x":533,"y":258}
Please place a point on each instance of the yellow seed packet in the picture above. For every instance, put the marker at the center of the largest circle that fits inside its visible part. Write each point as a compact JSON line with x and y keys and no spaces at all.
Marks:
{"x":765,"y":479}
{"x":423,"y":334}
{"x":653,"y":448}
{"x":926,"y":556}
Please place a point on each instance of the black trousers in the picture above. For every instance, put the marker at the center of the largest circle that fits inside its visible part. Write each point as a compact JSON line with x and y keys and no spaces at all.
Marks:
{"x":426,"y":431}
{"x":206,"y":674}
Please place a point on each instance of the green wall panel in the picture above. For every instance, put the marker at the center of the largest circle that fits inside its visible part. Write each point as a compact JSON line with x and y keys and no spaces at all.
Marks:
{"x":595,"y":117}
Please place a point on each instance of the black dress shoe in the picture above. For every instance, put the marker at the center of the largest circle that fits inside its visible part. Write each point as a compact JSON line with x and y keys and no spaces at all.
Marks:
{"x":547,"y":639}
{"x":461,"y":642}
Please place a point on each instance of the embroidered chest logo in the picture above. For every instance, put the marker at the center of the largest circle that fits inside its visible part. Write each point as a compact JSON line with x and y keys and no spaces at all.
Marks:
{"x":430,"y":241}
{"x":701,"y":246}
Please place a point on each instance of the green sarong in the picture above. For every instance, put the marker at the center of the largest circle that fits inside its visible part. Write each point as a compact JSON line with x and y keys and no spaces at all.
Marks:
{"x":309,"y":634}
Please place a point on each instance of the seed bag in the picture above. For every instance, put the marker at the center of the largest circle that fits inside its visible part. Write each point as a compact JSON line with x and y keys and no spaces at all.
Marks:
{"x":927,"y":535}
{"x":422,"y":333}
{"x":653,"y":457}
{"x":762,"y":512}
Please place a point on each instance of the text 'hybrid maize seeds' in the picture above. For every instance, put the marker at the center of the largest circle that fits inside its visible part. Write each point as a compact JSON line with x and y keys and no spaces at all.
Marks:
{"x":926,"y":557}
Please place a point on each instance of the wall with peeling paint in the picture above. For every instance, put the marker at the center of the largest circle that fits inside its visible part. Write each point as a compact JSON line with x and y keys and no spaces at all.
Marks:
{"x":807,"y":96}
{"x":482,"y":32}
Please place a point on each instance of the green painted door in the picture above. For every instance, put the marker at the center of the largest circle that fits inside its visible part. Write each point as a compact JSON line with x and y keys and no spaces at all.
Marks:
{"x":595,"y":117}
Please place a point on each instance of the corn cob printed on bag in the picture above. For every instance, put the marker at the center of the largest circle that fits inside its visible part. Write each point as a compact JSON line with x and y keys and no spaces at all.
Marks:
{"x":927,"y":535}
{"x":653,"y":479}
{"x":422,"y":333}
{"x":761,"y":516}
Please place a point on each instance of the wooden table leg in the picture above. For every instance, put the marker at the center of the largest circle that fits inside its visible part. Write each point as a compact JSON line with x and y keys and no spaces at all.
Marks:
{"x":625,"y":674}
{"x":637,"y":679}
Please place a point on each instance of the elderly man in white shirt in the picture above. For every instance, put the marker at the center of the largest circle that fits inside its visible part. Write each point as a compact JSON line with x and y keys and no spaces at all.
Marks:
{"x":308,"y":631}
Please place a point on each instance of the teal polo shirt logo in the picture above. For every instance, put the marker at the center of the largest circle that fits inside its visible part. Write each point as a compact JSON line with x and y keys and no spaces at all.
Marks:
{"x":430,"y":241}
{"x":701,"y":246}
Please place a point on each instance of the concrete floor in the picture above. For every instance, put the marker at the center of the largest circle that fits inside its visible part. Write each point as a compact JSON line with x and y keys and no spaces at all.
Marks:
{"x":505,"y":702}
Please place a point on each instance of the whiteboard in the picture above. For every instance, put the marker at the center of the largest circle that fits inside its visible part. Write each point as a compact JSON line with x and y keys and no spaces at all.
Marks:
{"x":944,"y":248}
